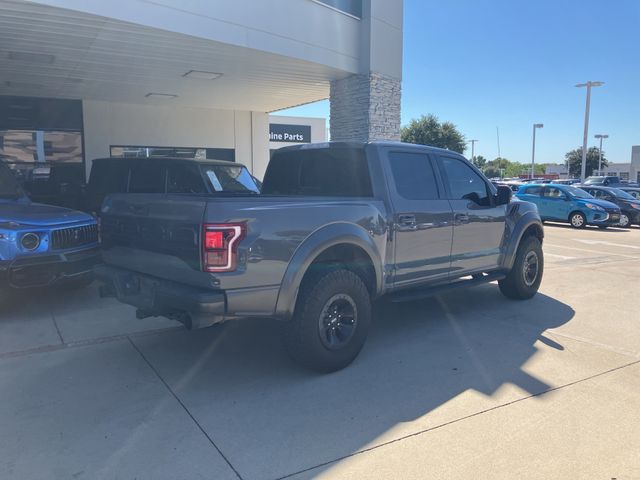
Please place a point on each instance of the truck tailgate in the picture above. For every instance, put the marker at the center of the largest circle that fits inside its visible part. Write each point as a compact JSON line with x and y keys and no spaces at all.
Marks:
{"x":155,"y":234}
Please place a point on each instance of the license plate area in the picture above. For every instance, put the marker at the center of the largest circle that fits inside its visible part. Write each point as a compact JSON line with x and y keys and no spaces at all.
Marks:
{"x":136,"y":290}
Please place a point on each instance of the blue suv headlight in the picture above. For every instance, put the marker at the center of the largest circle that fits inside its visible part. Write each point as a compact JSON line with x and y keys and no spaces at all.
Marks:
{"x":594,"y":207}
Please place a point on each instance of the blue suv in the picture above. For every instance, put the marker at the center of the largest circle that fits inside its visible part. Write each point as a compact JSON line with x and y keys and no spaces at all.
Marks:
{"x":41,"y":244}
{"x":565,"y":203}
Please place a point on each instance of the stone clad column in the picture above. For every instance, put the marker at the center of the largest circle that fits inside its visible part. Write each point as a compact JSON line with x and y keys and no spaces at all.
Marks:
{"x":366,"y":106}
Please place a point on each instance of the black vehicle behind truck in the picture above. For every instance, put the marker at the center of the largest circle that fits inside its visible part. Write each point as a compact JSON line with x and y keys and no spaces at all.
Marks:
{"x":629,"y":205}
{"x":336,"y":226}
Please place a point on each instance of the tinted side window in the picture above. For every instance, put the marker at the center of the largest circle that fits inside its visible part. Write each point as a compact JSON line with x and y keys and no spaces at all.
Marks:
{"x":413,"y":176}
{"x":109,"y":177}
{"x":464,"y":182}
{"x":147,"y":177}
{"x":185,"y":178}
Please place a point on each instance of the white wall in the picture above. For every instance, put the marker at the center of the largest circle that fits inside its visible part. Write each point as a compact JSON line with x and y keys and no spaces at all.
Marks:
{"x":107,"y":123}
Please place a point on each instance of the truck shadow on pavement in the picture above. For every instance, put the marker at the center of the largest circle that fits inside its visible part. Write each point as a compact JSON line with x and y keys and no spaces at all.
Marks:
{"x":271,"y":419}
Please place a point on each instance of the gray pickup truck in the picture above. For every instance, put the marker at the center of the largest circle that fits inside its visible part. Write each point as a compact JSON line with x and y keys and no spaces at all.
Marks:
{"x":336,"y":226}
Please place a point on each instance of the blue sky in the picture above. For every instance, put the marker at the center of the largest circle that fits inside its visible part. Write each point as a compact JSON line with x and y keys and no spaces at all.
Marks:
{"x":482,"y":64}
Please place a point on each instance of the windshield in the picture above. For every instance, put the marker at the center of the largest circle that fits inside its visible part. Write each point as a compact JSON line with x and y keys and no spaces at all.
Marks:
{"x":577,"y":192}
{"x":231,"y":178}
{"x":593,"y":180}
{"x":621,"y":194}
{"x":9,"y":187}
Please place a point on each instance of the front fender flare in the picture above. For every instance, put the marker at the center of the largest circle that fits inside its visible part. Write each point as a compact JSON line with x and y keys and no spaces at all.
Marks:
{"x":319,"y":241}
{"x":527,"y":220}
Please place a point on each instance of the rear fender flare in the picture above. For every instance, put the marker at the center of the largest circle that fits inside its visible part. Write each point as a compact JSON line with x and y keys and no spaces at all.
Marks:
{"x":311,"y":248}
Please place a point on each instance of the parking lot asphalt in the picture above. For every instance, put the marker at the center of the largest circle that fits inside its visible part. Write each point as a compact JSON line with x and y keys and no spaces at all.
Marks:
{"x":465,"y":384}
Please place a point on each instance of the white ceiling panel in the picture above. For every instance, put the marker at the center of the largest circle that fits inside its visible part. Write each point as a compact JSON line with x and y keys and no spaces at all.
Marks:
{"x":51,"y":52}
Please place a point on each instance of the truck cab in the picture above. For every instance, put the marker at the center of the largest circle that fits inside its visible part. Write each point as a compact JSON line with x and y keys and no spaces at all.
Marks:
{"x":335,"y":226}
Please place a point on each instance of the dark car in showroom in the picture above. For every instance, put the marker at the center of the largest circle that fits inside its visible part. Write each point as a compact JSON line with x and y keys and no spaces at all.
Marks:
{"x":169,"y":175}
{"x":629,"y":206}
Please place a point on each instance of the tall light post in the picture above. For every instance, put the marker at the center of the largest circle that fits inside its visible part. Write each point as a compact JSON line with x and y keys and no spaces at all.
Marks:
{"x":589,"y":84}
{"x":533,"y":149}
{"x":601,"y":137}
{"x":473,"y":149}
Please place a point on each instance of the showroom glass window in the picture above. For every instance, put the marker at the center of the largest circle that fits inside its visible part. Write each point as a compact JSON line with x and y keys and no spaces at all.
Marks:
{"x":41,"y":142}
{"x":464,"y":182}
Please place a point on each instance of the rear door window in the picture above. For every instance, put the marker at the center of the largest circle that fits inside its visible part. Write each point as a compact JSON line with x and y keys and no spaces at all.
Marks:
{"x":553,"y":192}
{"x":413,"y":176}
{"x":532,"y":191}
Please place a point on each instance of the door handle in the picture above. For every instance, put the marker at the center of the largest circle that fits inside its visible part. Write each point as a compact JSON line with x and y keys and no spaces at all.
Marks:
{"x":407,"y":222}
{"x":461,"y":218}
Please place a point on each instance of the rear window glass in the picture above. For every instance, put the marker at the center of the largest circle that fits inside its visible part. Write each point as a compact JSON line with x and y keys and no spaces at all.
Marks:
{"x":230,"y":178}
{"x":326,"y":172}
{"x":146,"y":177}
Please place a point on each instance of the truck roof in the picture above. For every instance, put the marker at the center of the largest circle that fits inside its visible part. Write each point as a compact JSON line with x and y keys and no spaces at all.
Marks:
{"x":362,"y":145}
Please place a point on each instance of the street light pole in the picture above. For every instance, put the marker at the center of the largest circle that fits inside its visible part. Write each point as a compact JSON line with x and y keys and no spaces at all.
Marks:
{"x":589,"y":84}
{"x":601,"y":137}
{"x":533,"y":149}
{"x":473,"y":149}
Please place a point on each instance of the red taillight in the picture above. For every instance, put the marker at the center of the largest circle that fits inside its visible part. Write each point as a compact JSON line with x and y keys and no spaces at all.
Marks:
{"x":213,"y":240}
{"x":220,"y":246}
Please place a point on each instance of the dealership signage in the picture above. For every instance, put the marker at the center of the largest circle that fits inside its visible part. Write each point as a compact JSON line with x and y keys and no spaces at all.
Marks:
{"x":280,"y":132}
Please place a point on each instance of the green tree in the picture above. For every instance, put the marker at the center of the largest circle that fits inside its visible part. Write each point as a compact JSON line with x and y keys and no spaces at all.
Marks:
{"x":479,"y":161}
{"x":574,"y":159}
{"x":428,"y":130}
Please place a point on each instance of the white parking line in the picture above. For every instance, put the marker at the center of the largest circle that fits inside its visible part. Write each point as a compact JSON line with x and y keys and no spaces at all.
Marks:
{"x":610,"y":244}
{"x":561,"y":257}
{"x":603,"y":254}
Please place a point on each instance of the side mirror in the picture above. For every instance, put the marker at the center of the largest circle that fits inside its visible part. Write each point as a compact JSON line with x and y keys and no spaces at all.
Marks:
{"x":503,"y":196}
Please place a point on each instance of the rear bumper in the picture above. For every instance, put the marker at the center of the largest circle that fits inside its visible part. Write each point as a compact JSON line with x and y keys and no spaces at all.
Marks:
{"x":195,"y":307}
{"x":45,"y":270}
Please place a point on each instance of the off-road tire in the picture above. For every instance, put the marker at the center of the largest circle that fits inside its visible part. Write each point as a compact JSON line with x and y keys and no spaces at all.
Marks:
{"x":516,"y":285}
{"x":302,"y":335}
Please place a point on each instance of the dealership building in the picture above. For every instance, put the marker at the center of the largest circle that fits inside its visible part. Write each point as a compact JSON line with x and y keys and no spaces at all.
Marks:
{"x":82,"y":80}
{"x":627,"y":171}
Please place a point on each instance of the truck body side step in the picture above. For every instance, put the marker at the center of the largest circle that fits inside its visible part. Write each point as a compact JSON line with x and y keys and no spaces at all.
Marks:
{"x":425,"y":292}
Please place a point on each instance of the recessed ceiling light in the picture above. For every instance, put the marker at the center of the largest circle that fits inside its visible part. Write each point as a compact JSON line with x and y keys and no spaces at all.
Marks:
{"x":160,"y":95}
{"x":202,"y":75}
{"x":32,"y":57}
